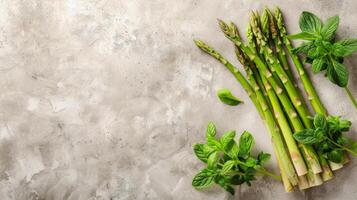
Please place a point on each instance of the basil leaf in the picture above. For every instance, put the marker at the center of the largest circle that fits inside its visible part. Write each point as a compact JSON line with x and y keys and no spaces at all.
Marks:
{"x":344,"y":47}
{"x":212,"y":160}
{"x":263,"y":157}
{"x":234,"y":150}
{"x":352,"y":144}
{"x":318,"y":64}
{"x":329,"y":28}
{"x":227,"y":97}
{"x":213,"y":143}
{"x":303,"y":36}
{"x":211,"y":130}
{"x":246,"y":143}
{"x":237,"y":180}
{"x":303,"y":48}
{"x":320,"y":121}
{"x":336,"y":155}
{"x":202,"y":151}
{"x":310,"y":23}
{"x":338,"y":74}
{"x":227,"y":166}
{"x":203,"y":179}
{"x":227,"y":138}
{"x":305,"y":136}
{"x":251,"y":162}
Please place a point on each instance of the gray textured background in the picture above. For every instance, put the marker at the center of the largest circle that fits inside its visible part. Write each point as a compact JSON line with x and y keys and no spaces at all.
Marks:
{"x":104,"y":99}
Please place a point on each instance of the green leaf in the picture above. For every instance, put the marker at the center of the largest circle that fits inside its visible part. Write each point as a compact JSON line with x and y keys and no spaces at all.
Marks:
{"x":303,"y":48}
{"x":229,"y":189}
{"x":251,"y":162}
{"x":329,"y":28}
{"x":305,"y":136}
{"x":227,"y":97}
{"x":202,"y":151}
{"x":338,"y":74}
{"x":263,"y":157}
{"x":203,"y":179}
{"x":224,"y":182}
{"x":344,"y":47}
{"x":310,"y":23}
{"x":320,"y":121}
{"x":246,"y":143}
{"x":211,"y":130}
{"x":214,"y":143}
{"x":237,"y":180}
{"x":303,"y":36}
{"x":227,"y":166}
{"x":352,"y":145}
{"x":227,"y":138}
{"x":234,"y":150}
{"x":318,"y":64}
{"x":319,"y":134}
{"x":336,"y":155}
{"x":212,"y":160}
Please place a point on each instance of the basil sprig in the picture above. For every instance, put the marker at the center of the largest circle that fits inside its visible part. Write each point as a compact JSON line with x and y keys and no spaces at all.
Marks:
{"x":228,"y":163}
{"x":327,"y":136}
{"x":321,"y":49}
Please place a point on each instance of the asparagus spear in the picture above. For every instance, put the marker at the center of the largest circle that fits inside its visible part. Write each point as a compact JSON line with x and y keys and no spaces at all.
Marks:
{"x":274,"y":130}
{"x":309,"y":88}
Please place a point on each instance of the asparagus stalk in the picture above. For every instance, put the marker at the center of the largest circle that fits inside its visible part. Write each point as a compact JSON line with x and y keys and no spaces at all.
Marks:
{"x":309,"y":151}
{"x":295,"y":155}
{"x":309,"y":88}
{"x":278,"y":142}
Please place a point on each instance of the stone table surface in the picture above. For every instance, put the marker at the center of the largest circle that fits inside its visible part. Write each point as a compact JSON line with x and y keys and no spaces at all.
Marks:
{"x":103,"y":99}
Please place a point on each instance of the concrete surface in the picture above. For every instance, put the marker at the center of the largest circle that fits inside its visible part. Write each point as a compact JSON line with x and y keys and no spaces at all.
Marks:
{"x":103,"y":99}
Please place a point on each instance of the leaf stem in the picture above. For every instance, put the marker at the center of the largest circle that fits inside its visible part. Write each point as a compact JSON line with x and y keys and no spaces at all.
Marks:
{"x":341,"y":146}
{"x":351,"y":96}
{"x":267,"y":173}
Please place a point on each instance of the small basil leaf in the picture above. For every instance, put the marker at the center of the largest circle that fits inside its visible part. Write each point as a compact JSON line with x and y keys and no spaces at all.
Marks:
{"x":319,"y":134}
{"x":214,"y":143}
{"x":237,"y":180}
{"x":303,"y":48}
{"x":203,"y":179}
{"x":227,"y":138}
{"x":329,"y":28}
{"x":227,"y":166}
{"x":336,"y":155}
{"x":309,"y":22}
{"x":234,"y":150}
{"x":303,"y":36}
{"x":227,"y":97}
{"x":202,"y":151}
{"x":318,"y":64}
{"x":344,"y":47}
{"x":320,"y":121}
{"x":211,"y":130}
{"x":340,"y":73}
{"x":246,"y":143}
{"x":305,"y":136}
{"x":263,"y":157}
{"x":212,"y":160}
{"x":251,"y":162}
{"x":224,"y":183}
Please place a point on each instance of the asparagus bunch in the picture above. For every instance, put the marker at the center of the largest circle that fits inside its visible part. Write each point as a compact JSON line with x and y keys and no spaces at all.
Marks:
{"x":271,"y":87}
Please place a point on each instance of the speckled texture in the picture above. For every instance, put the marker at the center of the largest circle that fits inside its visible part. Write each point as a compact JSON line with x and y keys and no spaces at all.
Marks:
{"x":104,"y":99}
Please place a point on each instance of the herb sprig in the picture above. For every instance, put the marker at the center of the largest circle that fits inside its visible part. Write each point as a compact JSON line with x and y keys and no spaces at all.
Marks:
{"x":321,"y":49}
{"x":228,"y":163}
{"x":328,"y":138}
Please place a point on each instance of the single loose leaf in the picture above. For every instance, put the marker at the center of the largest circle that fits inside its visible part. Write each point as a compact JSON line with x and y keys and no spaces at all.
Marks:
{"x":305,"y":136}
{"x":310,"y":23}
{"x":203,"y":179}
{"x":329,"y":28}
{"x":227,"y":97}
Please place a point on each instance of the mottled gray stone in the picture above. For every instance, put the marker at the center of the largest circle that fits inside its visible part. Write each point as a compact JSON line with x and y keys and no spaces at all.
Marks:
{"x":103,"y":99}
